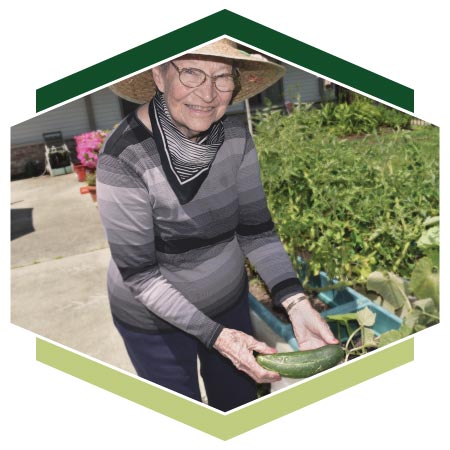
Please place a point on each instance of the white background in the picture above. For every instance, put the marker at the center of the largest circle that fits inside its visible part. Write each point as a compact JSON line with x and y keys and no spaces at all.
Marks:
{"x":44,"y":41}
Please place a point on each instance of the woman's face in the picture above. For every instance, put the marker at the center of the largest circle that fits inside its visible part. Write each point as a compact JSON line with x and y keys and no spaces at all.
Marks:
{"x":193,"y":110}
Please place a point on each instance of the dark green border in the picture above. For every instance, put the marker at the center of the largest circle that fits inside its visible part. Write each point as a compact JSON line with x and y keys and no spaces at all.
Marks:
{"x":226,"y":426}
{"x":235,"y":26}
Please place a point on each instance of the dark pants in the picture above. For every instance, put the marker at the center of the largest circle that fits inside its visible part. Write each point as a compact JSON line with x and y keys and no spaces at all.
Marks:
{"x":170,"y":360}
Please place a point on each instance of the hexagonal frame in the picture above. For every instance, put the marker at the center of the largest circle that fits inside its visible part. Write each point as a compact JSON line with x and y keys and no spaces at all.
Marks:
{"x":203,"y":417}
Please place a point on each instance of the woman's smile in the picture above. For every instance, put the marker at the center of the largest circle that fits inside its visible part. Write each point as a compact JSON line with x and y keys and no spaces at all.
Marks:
{"x":200,"y":109}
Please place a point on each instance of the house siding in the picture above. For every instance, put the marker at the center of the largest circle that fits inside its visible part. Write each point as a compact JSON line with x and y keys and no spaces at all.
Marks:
{"x":106,"y":108}
{"x":71,"y":119}
{"x":297,"y":81}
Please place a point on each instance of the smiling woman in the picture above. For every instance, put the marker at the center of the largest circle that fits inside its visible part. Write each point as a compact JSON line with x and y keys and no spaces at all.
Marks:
{"x":200,"y":92}
{"x":182,"y":205}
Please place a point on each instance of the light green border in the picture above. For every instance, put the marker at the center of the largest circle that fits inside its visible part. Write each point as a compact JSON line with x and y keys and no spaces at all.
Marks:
{"x":241,"y":420}
{"x":224,"y":23}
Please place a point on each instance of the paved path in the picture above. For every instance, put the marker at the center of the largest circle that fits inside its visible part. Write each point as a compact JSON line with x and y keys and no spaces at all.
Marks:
{"x":59,"y":258}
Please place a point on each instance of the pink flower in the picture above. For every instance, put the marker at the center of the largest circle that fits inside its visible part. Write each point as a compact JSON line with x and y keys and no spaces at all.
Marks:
{"x":88,"y":146}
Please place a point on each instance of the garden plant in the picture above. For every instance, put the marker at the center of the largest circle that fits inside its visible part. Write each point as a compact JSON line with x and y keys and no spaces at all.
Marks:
{"x":354,"y":190}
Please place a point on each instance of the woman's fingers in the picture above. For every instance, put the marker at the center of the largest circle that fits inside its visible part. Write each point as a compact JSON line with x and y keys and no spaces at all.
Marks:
{"x":311,"y":330}
{"x":258,"y":373}
{"x":239,"y":347}
{"x":261,"y":347}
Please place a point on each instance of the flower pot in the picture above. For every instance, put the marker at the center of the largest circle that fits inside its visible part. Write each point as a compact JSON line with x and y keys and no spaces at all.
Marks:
{"x":80,"y":170}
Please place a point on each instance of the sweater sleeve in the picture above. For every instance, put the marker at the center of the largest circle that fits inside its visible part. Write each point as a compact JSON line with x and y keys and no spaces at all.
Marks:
{"x":127,"y":218}
{"x":256,"y":233}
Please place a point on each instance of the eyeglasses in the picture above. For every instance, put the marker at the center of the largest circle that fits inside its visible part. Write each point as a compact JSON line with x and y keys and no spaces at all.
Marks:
{"x":193,"y":78}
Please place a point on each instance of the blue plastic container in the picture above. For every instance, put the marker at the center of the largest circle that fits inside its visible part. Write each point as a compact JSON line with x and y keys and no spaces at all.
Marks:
{"x":333,"y":297}
{"x":341,"y":301}
{"x":384,"y":320}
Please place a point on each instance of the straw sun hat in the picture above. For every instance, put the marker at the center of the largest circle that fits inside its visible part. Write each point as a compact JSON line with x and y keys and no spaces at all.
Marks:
{"x":256,"y":73}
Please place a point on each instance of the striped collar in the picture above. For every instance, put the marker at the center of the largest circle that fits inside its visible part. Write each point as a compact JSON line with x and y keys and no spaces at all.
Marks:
{"x":186,"y":164}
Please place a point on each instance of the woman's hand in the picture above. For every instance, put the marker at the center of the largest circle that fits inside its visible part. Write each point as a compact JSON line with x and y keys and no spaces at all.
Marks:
{"x":238,"y":347}
{"x":310,"y":329}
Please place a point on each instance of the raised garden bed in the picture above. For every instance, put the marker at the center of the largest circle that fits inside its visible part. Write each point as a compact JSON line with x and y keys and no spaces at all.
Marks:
{"x":331,"y":302}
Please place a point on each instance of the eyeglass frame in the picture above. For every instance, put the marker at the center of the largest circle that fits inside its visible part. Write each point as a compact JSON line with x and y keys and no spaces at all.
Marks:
{"x":234,"y":76}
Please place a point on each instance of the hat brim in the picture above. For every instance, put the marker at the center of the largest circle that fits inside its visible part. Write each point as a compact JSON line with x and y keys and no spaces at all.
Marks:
{"x":256,"y":75}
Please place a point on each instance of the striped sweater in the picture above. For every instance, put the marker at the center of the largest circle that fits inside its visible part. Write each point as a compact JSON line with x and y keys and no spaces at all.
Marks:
{"x":178,"y":266}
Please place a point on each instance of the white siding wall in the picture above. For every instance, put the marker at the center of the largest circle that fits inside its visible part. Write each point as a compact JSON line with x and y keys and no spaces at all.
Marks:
{"x":71,"y":119}
{"x":297,"y":81}
{"x":106,"y":108}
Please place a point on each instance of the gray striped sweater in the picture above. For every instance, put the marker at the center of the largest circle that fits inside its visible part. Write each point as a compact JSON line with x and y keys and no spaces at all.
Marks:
{"x":178,"y":266}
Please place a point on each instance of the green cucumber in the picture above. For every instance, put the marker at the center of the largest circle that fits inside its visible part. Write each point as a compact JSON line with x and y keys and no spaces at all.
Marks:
{"x":302,"y":364}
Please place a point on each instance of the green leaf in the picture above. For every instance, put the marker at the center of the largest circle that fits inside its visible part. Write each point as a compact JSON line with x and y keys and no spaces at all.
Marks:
{"x":433,"y":254}
{"x":343,"y":317}
{"x":388,"y":306}
{"x":429,"y":238}
{"x":406,"y":308}
{"x":394,"y":335}
{"x":425,"y":305}
{"x":378,"y":300}
{"x":366,"y":317}
{"x":390,"y":286}
{"x":431,"y":221}
{"x":369,"y":337}
{"x":389,"y":337}
{"x":411,"y":319}
{"x":425,"y":280}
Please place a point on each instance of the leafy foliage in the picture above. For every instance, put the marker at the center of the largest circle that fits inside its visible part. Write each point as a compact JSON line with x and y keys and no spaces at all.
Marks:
{"x":416,"y":300}
{"x":361,"y":116}
{"x":344,"y":119}
{"x":419,"y":305}
{"x":359,"y":201}
{"x":348,"y":205}
{"x":391,"y":287}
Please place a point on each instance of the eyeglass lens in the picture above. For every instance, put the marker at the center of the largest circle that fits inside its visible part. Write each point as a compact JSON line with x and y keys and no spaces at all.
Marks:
{"x":195,"y":77}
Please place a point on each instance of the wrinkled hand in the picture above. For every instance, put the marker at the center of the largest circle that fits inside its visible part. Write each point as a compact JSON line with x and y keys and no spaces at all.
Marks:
{"x":238,"y":347}
{"x":310,"y":329}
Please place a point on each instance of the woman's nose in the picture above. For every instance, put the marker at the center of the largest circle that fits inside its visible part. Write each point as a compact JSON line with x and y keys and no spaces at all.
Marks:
{"x":207,"y":90}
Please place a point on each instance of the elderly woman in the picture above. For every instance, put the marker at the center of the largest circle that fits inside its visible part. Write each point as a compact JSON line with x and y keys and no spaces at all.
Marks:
{"x":182,"y":205}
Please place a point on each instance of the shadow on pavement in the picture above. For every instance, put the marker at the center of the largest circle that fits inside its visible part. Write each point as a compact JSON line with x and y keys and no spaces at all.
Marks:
{"x":21,"y":222}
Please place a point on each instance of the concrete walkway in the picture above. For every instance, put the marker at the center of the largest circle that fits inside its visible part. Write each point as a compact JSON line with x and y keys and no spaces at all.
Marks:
{"x":59,"y":258}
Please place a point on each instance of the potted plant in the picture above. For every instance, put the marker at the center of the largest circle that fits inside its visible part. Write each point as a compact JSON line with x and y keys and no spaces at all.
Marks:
{"x":88,"y":146}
